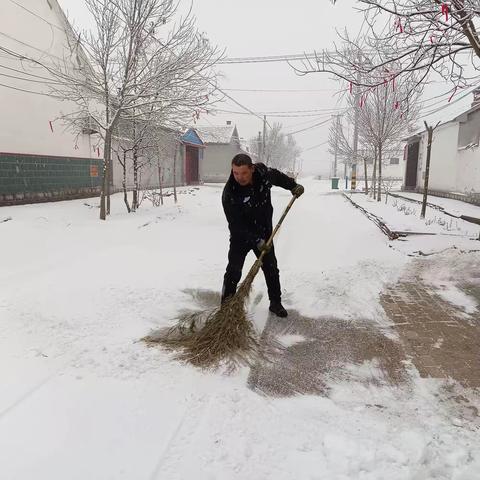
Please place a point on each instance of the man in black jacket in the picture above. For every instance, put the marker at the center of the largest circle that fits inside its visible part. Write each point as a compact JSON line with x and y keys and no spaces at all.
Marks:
{"x":248,"y":207}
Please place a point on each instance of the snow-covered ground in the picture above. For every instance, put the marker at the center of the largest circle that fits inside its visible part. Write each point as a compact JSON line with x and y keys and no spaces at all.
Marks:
{"x":455,"y":207}
{"x":437,"y":232}
{"x":82,"y":398}
{"x":404,"y":216}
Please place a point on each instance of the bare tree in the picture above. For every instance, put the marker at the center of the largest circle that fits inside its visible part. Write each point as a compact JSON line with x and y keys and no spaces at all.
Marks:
{"x":139,"y":63}
{"x":387,"y":184}
{"x":292,"y":154}
{"x":281,"y":149}
{"x":340,"y":142}
{"x":383,"y":122}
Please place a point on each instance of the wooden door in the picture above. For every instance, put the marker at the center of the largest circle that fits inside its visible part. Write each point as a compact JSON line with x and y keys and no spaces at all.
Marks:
{"x":412,"y":166}
{"x":191,"y":165}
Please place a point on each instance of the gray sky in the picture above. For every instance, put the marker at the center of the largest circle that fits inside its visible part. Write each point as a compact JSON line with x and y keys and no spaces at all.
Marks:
{"x":265,"y":28}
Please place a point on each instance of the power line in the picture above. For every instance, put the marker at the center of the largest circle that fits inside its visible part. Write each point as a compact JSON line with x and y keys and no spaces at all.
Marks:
{"x":21,"y":56}
{"x":36,"y":15}
{"x":308,"y":128}
{"x":24,"y":79}
{"x":269,"y":59}
{"x":286,"y":115}
{"x":286,"y":58}
{"x":315,"y":146}
{"x":235,"y":101}
{"x":23,"y":72}
{"x":305,"y":122}
{"x":30,"y":91}
{"x":304,"y":111}
{"x":44,"y":52}
{"x":467,"y":93}
{"x":279,"y":90}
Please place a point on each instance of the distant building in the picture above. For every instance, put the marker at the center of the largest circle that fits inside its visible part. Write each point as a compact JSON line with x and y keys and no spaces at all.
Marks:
{"x":222,"y":144}
{"x":455,"y":156}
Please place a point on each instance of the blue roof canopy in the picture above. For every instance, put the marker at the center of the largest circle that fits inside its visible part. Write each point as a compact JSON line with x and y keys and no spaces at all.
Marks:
{"x":191,"y":137}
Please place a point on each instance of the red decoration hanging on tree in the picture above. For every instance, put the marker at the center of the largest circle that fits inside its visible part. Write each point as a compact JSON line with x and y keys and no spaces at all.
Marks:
{"x":445,"y":11}
{"x":398,"y":25}
{"x":451,"y":96}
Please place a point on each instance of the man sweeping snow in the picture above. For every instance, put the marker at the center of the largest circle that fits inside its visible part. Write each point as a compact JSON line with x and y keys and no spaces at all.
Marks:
{"x":248,"y":207}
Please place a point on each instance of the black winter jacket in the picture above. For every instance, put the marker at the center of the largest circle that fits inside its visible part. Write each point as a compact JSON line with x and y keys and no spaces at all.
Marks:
{"x":249,"y":209}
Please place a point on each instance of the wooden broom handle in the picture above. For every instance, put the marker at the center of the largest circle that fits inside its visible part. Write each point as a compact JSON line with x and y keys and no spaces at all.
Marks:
{"x":279,"y":224}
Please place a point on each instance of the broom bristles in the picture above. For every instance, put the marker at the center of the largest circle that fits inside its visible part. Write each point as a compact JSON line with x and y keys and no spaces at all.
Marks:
{"x":223,"y":336}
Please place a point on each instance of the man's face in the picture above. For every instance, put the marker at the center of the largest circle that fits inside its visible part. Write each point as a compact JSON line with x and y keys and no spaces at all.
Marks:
{"x":243,"y":174}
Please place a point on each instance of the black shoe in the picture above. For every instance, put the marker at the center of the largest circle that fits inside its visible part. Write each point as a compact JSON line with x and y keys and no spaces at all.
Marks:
{"x":278,"y":310}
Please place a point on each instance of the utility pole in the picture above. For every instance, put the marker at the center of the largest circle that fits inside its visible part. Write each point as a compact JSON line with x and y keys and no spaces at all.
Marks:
{"x":355,"y":150}
{"x":337,"y":133}
{"x":264,"y":135}
{"x":355,"y":138}
{"x":259,"y":146}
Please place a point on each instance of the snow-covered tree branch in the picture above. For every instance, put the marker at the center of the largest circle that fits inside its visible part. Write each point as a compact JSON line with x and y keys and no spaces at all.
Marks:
{"x":138,"y":64}
{"x":415,"y":38}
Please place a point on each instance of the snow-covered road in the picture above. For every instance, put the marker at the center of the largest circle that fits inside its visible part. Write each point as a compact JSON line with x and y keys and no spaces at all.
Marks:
{"x":82,"y":398}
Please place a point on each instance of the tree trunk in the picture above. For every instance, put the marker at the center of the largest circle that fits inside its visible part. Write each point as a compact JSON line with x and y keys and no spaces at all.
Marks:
{"x":366,"y":176}
{"x":379,"y":193}
{"x":427,"y":169}
{"x":160,"y":183}
{"x":106,"y":173}
{"x":124,"y":182}
{"x":135,"y":167}
{"x":175,"y":173}
{"x":374,"y":175}
{"x":109,"y":183}
{"x":135,"y":180}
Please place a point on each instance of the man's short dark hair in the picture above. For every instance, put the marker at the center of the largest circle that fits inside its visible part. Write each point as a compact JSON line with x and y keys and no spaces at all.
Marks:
{"x":242,"y":159}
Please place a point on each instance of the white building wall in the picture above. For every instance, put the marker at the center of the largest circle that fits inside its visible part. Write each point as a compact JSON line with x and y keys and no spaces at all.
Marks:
{"x":468,"y":171}
{"x":24,"y":122}
{"x":443,"y":165}
{"x":388,"y":170}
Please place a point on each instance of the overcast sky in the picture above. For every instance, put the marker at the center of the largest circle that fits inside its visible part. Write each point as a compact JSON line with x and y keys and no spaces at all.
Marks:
{"x":264,"y":28}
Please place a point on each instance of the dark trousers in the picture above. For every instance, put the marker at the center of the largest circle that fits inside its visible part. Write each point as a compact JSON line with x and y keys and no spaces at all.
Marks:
{"x":236,"y":258}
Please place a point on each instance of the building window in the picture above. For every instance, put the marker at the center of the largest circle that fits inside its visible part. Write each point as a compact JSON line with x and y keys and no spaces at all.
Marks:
{"x":394,"y":161}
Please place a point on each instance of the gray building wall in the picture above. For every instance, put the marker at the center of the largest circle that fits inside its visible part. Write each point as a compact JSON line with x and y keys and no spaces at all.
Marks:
{"x":217,"y":159}
{"x":162,"y":155}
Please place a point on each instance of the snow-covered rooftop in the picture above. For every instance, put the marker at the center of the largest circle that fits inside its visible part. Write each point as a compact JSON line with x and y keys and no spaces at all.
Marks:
{"x":216,"y":134}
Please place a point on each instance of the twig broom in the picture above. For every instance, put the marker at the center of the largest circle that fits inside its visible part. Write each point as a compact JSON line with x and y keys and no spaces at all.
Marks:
{"x":223,"y":336}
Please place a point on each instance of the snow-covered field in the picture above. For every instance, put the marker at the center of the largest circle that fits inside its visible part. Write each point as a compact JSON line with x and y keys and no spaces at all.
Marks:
{"x":82,"y":398}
